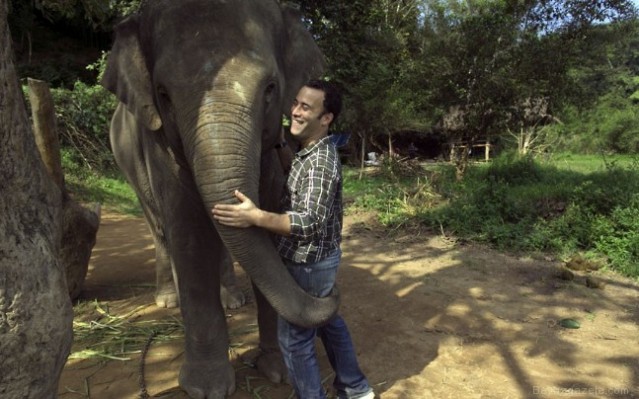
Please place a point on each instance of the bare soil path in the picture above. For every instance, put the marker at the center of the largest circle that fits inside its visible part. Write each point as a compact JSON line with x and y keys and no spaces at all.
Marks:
{"x":430,"y":318}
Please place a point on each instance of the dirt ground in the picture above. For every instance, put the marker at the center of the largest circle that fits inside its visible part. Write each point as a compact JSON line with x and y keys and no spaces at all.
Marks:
{"x":431,"y":318}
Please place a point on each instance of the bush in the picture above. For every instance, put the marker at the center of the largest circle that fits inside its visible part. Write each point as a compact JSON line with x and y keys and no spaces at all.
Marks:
{"x":83,"y":115}
{"x":520,"y":205}
{"x":612,"y":125}
{"x":396,"y":200}
{"x":619,"y":239}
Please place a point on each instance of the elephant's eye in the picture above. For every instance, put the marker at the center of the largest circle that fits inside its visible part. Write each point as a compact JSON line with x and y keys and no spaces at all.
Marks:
{"x":269,"y":93}
{"x":163,"y":95}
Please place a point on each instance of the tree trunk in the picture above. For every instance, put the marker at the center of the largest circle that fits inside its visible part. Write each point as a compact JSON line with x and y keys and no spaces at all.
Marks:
{"x":44,"y":128}
{"x":35,"y":310}
{"x":79,"y":225}
{"x":363,"y":157}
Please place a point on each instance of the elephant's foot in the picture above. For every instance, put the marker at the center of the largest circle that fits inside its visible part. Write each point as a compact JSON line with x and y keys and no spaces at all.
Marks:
{"x":166,"y":298}
{"x":232,"y":297}
{"x":271,"y":365}
{"x":202,"y":380}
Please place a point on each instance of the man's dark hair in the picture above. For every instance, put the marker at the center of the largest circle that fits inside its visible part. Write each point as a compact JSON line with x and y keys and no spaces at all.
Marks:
{"x":332,"y":96}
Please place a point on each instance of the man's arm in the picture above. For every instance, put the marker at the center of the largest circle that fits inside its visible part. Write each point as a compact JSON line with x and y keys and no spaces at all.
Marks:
{"x":246,"y":214}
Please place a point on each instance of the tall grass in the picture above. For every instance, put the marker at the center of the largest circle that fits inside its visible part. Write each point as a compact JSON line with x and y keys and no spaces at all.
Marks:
{"x":564,"y":206}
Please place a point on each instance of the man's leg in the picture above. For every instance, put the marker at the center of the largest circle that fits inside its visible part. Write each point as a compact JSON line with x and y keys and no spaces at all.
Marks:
{"x":349,"y":381}
{"x":297,"y":343}
{"x":298,"y":350}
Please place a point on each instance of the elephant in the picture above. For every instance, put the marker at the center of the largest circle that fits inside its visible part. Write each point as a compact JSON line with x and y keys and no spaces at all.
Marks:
{"x":202,"y":86}
{"x":230,"y":294}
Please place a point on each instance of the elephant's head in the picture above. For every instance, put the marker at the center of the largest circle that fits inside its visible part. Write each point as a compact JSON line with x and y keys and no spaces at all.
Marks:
{"x":215,"y":77}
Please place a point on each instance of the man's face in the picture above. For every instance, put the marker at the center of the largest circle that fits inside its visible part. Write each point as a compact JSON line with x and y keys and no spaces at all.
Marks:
{"x":309,"y":123}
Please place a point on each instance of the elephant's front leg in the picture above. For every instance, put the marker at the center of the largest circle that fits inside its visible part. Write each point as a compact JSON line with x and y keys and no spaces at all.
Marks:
{"x":231,"y":295}
{"x":166,"y":295}
{"x":197,"y":252}
{"x":270,"y":361}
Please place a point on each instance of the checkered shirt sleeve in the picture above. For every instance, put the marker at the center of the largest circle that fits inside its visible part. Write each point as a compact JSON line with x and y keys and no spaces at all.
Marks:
{"x":315,"y":204}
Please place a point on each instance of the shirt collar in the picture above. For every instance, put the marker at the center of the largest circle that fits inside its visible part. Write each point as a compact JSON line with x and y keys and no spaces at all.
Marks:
{"x":322,"y":142}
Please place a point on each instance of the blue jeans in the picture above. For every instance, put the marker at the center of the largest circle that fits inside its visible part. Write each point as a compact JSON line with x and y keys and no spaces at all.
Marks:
{"x":298,"y":343}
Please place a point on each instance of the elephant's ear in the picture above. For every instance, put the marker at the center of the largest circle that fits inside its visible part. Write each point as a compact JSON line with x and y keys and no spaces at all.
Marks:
{"x":302,"y":57}
{"x":127,"y":76}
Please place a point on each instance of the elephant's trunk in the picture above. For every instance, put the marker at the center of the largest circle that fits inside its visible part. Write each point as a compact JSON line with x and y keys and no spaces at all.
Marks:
{"x":223,"y":165}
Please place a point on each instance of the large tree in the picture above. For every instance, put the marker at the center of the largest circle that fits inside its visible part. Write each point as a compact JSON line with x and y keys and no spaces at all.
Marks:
{"x":405,"y":63}
{"x":35,"y":309}
{"x":488,"y":59}
{"x":370,"y":47}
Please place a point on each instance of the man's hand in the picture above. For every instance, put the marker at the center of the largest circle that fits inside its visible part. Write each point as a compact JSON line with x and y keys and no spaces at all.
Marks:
{"x":244,"y":214}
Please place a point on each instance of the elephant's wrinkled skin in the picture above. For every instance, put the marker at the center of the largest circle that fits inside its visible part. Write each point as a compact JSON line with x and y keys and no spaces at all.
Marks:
{"x":202,"y":86}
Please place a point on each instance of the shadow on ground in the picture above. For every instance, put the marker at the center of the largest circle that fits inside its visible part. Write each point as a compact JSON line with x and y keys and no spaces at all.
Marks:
{"x":430,"y":319}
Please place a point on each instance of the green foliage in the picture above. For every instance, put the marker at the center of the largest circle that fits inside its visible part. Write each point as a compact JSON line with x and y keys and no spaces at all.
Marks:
{"x":99,"y":66}
{"x":544,"y":208}
{"x":497,"y":204}
{"x":520,"y":204}
{"x":83,"y":115}
{"x":495,"y":55}
{"x":395,"y":197}
{"x":369,"y":193}
{"x":370,"y":48}
{"x":125,"y":7}
{"x":619,"y":238}
{"x":610,"y":125}
{"x":511,"y":169}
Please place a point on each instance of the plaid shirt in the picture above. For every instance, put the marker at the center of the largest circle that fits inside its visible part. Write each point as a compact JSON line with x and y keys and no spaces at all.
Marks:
{"x":314,"y":204}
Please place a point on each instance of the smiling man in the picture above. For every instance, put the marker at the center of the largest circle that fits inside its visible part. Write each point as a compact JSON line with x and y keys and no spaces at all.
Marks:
{"x":310,"y":233}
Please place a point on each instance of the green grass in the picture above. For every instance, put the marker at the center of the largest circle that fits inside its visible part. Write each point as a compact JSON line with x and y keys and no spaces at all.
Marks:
{"x":112,"y":192}
{"x":110,"y":189}
{"x":592,"y":163}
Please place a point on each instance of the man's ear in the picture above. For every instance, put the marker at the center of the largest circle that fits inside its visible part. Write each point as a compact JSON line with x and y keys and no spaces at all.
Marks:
{"x":127,"y":77}
{"x":327,"y":118}
{"x":303,"y":59}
